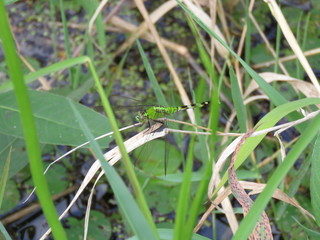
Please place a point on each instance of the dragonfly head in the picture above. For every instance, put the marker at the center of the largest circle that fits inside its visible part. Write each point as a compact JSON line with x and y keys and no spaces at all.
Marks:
{"x":140,"y":117}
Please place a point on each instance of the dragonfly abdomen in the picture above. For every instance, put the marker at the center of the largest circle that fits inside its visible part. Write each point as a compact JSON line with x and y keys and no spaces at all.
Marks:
{"x":194,"y":105}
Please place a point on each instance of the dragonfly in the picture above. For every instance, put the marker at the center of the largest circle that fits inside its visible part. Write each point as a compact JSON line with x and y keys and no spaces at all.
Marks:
{"x":155,"y":112}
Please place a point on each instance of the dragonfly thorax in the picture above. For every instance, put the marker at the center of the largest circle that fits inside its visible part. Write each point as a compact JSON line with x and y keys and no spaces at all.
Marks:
{"x":141,"y":118}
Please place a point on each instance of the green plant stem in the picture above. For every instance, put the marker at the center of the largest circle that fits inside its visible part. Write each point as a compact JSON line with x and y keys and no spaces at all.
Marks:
{"x":67,"y":43}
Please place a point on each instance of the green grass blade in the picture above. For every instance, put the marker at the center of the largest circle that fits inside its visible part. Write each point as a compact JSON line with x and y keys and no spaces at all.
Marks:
{"x":28,"y":78}
{"x":248,"y":42}
{"x":294,"y":186}
{"x":54,"y":28}
{"x":117,"y":74}
{"x":66,"y":42}
{"x":198,"y":200}
{"x":133,"y":215}
{"x":311,"y":233}
{"x":167,"y":233}
{"x":251,"y":218}
{"x":4,"y":177}
{"x":19,"y":158}
{"x":205,"y":58}
{"x":184,"y":196}
{"x":278,"y":45}
{"x":315,"y":179}
{"x":30,"y":133}
{"x":238,"y":101}
{"x":155,"y":85}
{"x":5,"y":235}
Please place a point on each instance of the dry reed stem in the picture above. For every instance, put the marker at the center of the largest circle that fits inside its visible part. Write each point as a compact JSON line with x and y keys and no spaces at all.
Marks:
{"x":286,"y":59}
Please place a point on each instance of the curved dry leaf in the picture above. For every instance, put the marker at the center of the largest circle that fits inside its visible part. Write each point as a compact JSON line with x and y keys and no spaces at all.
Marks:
{"x":304,"y":87}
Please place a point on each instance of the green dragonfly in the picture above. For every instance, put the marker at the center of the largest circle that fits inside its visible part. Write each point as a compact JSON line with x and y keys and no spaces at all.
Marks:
{"x":155,"y":112}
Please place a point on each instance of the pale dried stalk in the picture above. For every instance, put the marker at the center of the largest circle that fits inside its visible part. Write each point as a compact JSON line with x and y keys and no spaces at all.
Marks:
{"x":286,"y":59}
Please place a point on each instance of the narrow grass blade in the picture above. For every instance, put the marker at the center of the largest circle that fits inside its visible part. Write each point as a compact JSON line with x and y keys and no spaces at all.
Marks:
{"x":315,"y":179}
{"x":198,"y":200}
{"x":30,"y":133}
{"x":167,"y":233}
{"x":129,"y":207}
{"x":299,"y":177}
{"x":155,"y":85}
{"x":311,"y":233}
{"x":117,"y":74}
{"x":30,"y":77}
{"x":5,"y":234}
{"x":67,"y":42}
{"x":184,"y":196}
{"x":205,"y":59}
{"x":4,"y":177}
{"x":238,"y":101}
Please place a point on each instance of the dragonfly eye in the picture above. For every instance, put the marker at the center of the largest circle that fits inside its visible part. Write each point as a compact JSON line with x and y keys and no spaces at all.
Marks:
{"x":138,"y":118}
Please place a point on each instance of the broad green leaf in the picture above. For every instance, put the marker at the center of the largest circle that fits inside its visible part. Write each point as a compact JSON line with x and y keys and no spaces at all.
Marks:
{"x":32,"y":76}
{"x":11,"y":197}
{"x":151,"y":157}
{"x":99,"y":227}
{"x":54,"y":122}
